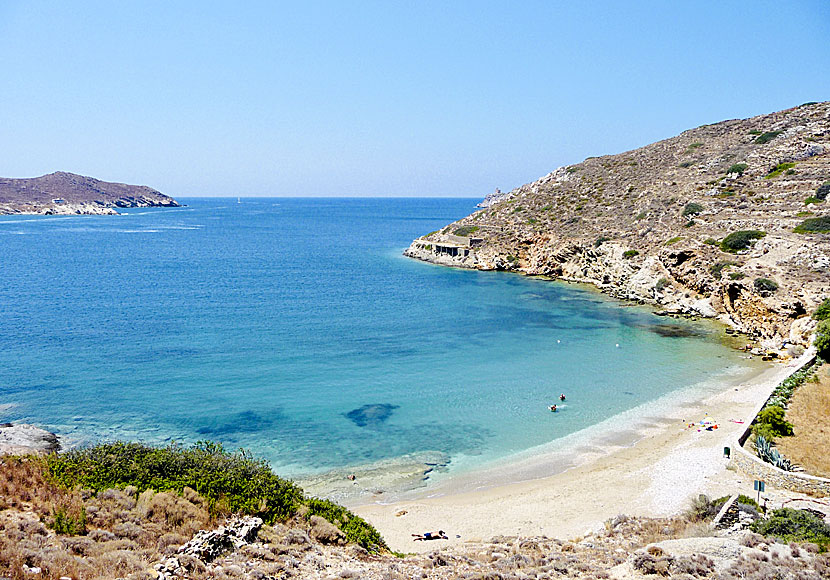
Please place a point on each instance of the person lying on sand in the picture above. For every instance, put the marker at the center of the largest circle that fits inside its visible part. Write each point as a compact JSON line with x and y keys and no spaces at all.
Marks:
{"x":430,"y":536}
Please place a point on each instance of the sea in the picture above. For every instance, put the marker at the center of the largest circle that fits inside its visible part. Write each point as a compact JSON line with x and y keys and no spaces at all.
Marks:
{"x":296,"y":329}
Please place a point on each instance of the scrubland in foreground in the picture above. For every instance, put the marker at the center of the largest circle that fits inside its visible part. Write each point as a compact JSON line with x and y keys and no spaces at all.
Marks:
{"x":96,"y":531}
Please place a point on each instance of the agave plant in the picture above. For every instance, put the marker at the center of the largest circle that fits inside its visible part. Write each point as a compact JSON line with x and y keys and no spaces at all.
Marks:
{"x":768,"y":453}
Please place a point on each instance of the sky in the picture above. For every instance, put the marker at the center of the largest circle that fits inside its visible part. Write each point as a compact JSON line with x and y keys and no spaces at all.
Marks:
{"x":387,"y":98}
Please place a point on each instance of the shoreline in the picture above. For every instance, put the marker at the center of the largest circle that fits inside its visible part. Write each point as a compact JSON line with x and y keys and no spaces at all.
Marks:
{"x":656,"y":475}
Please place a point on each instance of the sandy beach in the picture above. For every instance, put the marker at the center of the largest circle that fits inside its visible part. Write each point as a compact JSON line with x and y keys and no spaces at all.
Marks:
{"x":655,"y":476}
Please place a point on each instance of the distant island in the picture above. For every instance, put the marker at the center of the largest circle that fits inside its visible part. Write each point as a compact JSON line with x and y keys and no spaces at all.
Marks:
{"x":63,"y":193}
{"x":728,"y":220}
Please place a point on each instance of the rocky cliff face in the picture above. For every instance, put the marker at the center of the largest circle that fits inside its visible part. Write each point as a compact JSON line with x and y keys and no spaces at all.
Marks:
{"x":651,"y":224}
{"x":67,"y":193}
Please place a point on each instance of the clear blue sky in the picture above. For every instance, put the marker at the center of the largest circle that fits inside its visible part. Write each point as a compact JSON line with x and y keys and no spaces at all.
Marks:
{"x":383,"y":98}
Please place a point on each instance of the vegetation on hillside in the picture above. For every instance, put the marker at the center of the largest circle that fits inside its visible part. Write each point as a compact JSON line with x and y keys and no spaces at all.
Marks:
{"x":792,"y":525}
{"x":740,"y":240}
{"x":230,"y":482}
{"x":818,"y":225}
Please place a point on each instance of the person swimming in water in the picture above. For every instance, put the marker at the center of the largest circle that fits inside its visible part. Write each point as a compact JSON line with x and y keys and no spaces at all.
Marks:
{"x":552,"y":408}
{"x":562,"y":397}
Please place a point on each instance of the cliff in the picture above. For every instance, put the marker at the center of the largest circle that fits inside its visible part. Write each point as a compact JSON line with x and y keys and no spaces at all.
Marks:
{"x":654,"y":224}
{"x":67,"y":193}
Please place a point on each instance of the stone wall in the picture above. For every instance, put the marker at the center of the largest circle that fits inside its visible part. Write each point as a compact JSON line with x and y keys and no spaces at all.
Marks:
{"x":747,"y":463}
{"x":744,"y":462}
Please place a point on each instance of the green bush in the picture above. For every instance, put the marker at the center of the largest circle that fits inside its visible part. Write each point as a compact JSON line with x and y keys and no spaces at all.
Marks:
{"x":718,"y":267}
{"x":823,"y":310}
{"x":736,"y":275}
{"x":233,"y":481}
{"x":746,"y":500}
{"x":686,"y":164}
{"x":823,"y":190}
{"x":641,"y":215}
{"x":765,"y":285}
{"x":817,"y":225}
{"x":792,"y":525}
{"x":812,"y":199}
{"x":357,"y":530}
{"x":781,"y":394}
{"x":738,"y":168}
{"x":692,"y":208}
{"x":711,"y":242}
{"x":236,"y":480}
{"x":68,"y":525}
{"x":767,"y":137}
{"x":600,"y":240}
{"x":773,"y":418}
{"x":740,"y":240}
{"x":779,"y":169}
{"x":755,"y":132}
{"x":661,"y":284}
{"x":703,"y":509}
{"x":822,"y":341}
{"x":630,"y":253}
{"x":466,"y":230}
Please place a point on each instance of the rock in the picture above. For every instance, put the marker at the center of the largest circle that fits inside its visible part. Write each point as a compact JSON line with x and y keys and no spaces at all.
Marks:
{"x":325,"y":532}
{"x":23,"y":439}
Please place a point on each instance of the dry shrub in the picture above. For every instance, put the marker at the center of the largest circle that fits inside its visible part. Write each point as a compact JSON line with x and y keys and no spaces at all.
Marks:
{"x":127,"y":531}
{"x":119,"y":563}
{"x":177,"y":513}
{"x":752,"y":540}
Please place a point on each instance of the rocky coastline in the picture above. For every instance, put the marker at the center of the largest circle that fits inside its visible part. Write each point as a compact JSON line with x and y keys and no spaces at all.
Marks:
{"x":652,"y":225}
{"x":63,"y":193}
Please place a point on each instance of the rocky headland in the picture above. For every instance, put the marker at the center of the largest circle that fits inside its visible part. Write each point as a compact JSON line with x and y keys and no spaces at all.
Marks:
{"x":728,"y":220}
{"x":63,"y":193}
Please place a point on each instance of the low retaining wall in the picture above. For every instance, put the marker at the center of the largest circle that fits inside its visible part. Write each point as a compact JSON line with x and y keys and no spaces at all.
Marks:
{"x":749,"y":464}
{"x":744,"y":462}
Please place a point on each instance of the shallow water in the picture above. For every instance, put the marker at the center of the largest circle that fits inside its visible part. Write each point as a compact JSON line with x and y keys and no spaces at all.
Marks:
{"x":295,"y":328}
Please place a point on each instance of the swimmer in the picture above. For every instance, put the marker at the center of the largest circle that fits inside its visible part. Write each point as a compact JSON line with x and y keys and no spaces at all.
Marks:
{"x":552,"y":408}
{"x":562,"y":397}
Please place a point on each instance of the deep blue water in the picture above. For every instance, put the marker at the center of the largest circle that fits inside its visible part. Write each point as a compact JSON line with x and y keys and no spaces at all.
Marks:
{"x":268,"y":324}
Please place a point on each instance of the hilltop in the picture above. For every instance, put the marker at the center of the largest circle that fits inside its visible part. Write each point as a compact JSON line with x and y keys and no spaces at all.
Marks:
{"x":728,"y":220}
{"x":68,"y":193}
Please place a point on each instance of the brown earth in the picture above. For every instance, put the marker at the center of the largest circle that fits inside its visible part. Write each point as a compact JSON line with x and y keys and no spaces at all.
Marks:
{"x":809,"y":412}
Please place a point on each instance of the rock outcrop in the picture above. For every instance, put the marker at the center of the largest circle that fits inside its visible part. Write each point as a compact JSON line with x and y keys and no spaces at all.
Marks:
{"x":62,"y":193}
{"x":648,"y":224}
{"x":23,"y":439}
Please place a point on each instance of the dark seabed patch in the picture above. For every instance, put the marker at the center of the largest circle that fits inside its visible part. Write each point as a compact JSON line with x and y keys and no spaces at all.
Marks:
{"x":677,"y":331}
{"x":243,"y":422}
{"x":371,"y":415}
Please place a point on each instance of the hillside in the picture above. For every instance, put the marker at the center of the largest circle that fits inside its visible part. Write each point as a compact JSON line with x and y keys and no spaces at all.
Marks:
{"x":67,"y":193}
{"x":654,"y":224}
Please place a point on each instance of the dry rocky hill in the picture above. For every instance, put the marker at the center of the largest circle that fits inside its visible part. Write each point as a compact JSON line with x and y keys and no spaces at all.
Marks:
{"x":728,"y":220}
{"x":67,"y":193}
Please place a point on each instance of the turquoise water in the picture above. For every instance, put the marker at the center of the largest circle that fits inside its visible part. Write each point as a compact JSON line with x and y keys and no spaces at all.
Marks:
{"x":270,"y":324}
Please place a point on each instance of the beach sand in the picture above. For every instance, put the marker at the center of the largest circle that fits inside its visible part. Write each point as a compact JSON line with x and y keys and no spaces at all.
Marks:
{"x":657,"y":475}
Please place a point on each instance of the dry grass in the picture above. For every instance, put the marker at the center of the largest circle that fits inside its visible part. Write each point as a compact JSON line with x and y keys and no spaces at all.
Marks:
{"x":127,"y":532}
{"x":809,"y":412}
